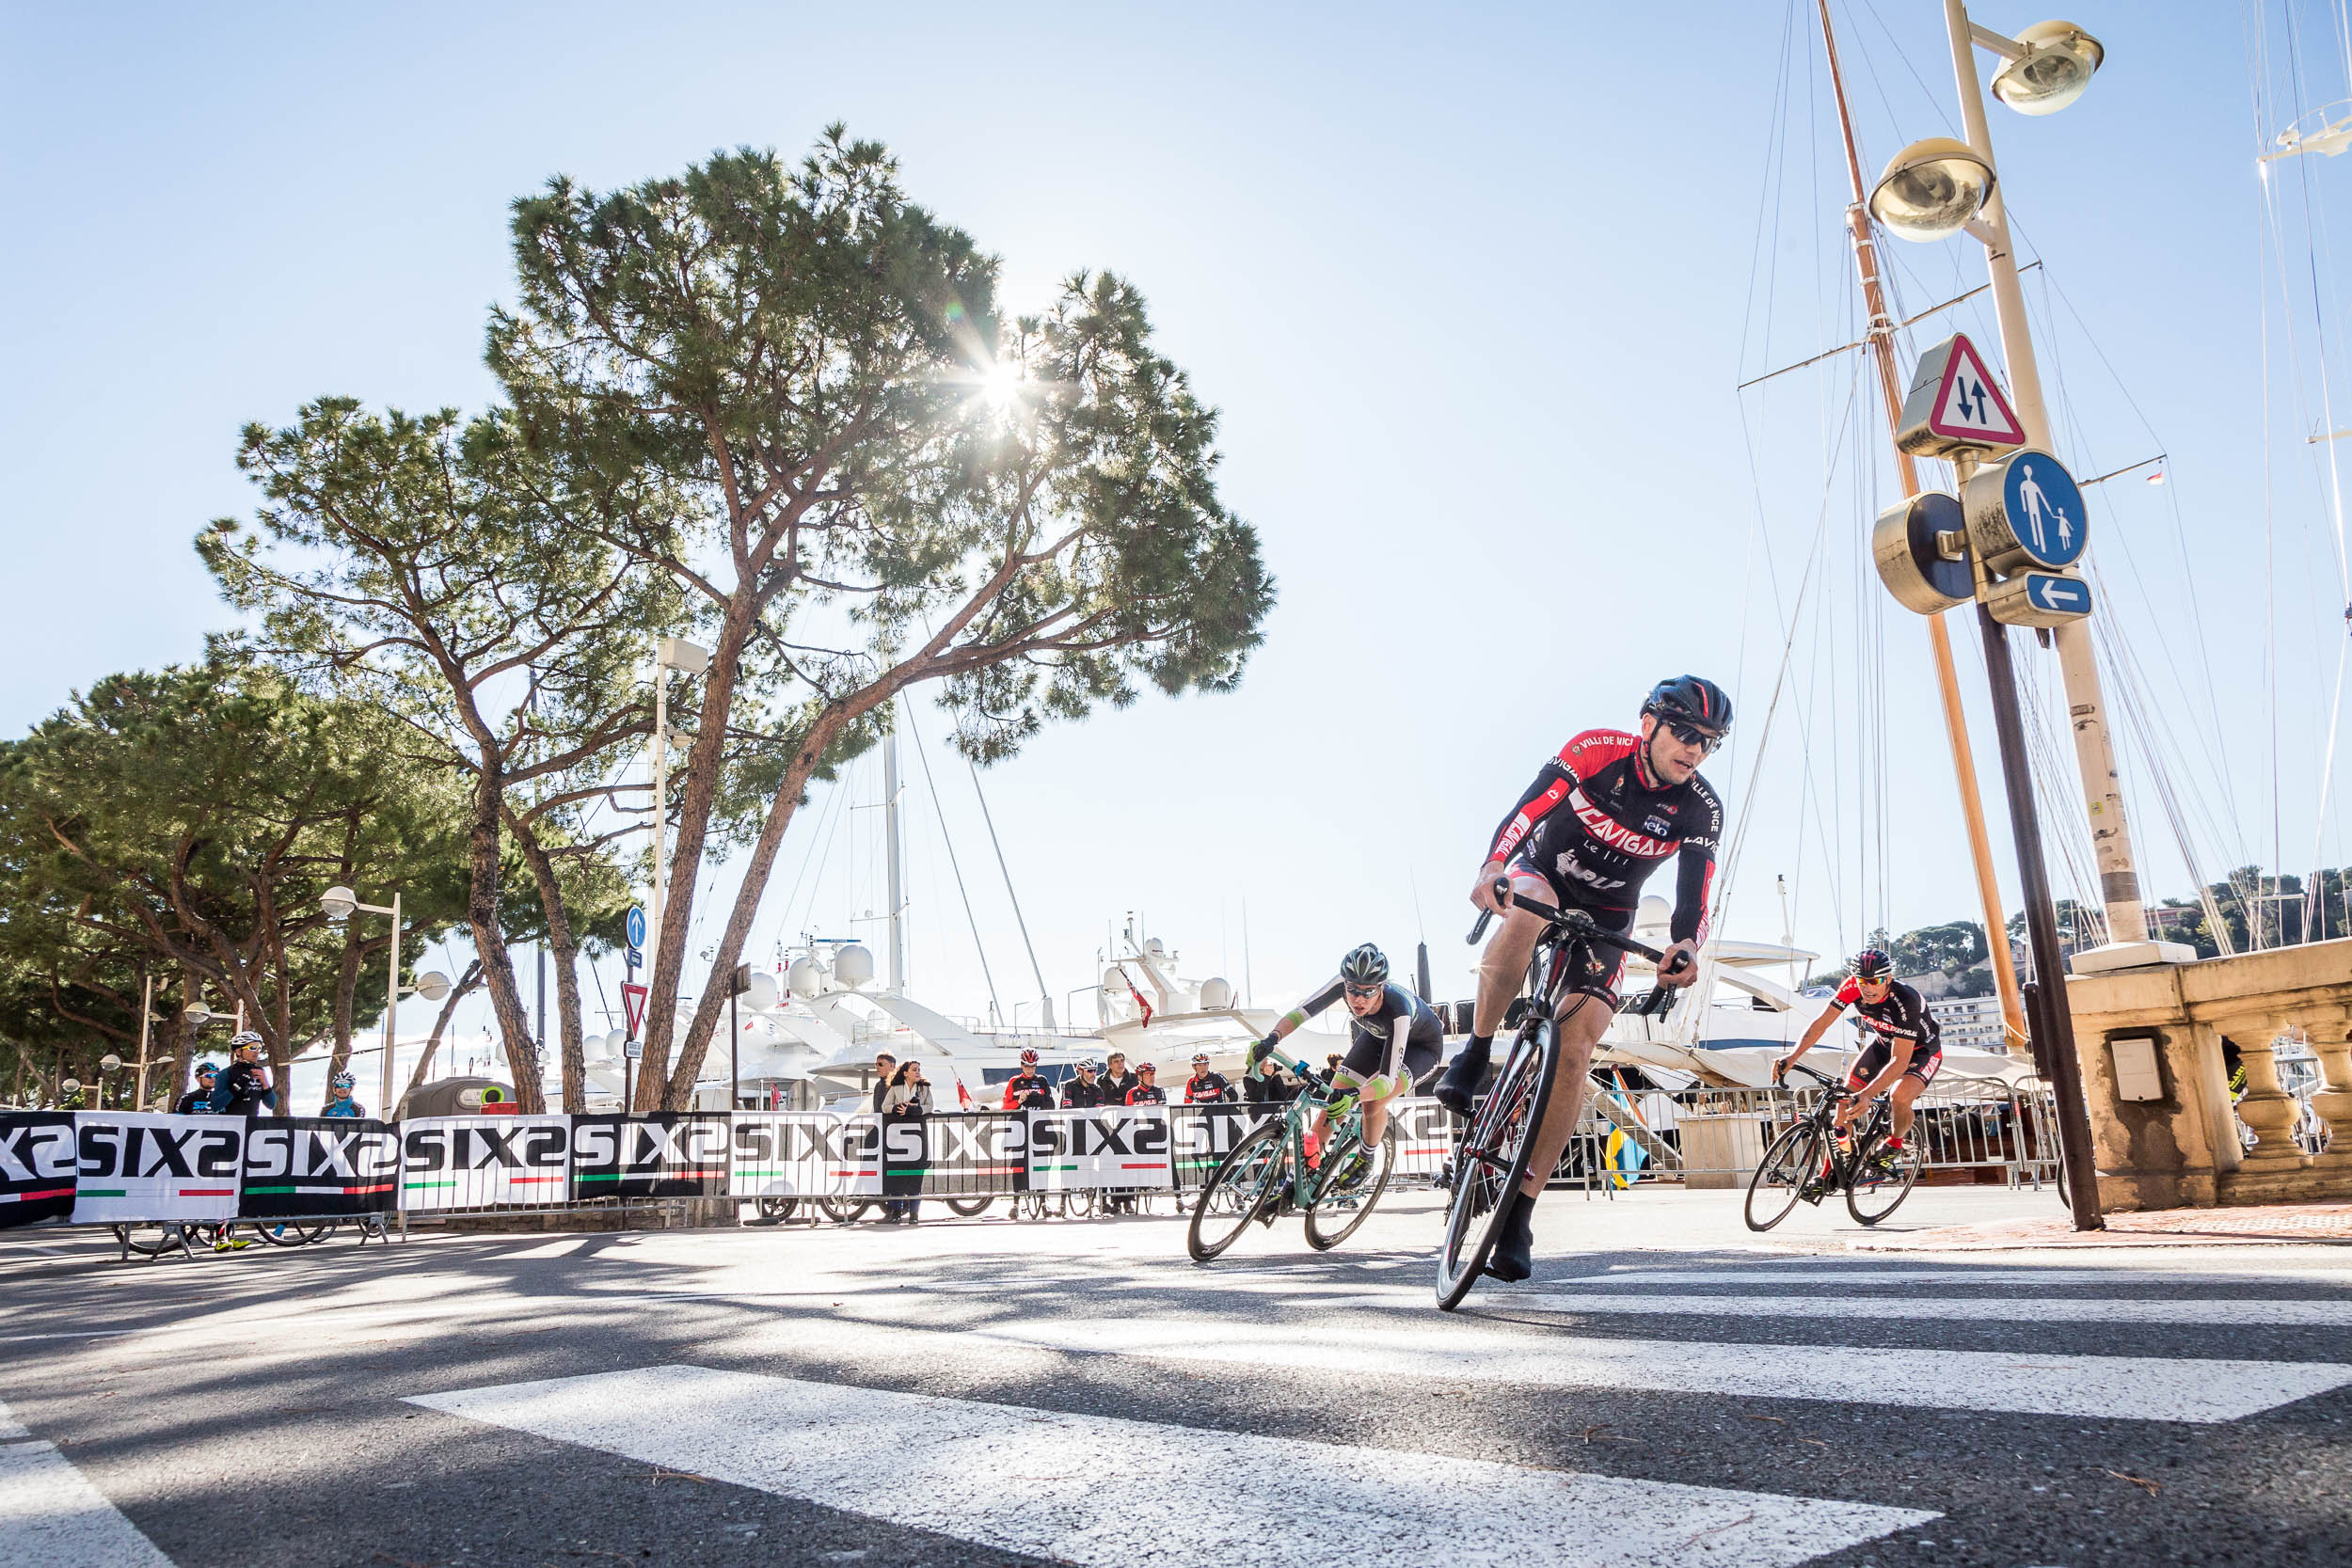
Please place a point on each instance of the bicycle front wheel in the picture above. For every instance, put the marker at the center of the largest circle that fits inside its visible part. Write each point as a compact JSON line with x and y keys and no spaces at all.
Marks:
{"x":843,"y":1211}
{"x":293,"y":1232}
{"x":1353,"y":1178}
{"x":776,"y":1211}
{"x":1793,"y":1160}
{"x":1877,"y":1191}
{"x":1244,"y":1182}
{"x":1493,"y":1159}
{"x":149,"y":1238}
{"x":968,"y":1207}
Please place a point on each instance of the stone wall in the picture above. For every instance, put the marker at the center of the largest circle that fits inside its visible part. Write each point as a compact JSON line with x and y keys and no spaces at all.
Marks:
{"x":2181,"y":1150}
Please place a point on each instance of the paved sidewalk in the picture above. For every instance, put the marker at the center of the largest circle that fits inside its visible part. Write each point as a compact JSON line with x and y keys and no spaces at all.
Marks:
{"x":2267,"y":1224}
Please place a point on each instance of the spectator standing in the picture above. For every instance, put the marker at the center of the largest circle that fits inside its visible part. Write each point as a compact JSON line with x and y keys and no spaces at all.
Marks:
{"x":340,"y":1102}
{"x":1085,"y":1091}
{"x":243,"y":1088}
{"x":1205,"y":1087}
{"x":885,"y":1068}
{"x":1028,"y":1090}
{"x":1147,"y":1090}
{"x":199,"y":1101}
{"x":1117,"y":1080}
{"x":905,"y":1101}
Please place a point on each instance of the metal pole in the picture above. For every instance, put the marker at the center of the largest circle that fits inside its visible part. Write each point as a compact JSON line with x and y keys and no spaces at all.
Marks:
{"x":890,"y":847}
{"x":735,"y":1055}
{"x":1939,"y":639}
{"x":2052,"y":1021}
{"x":392,"y":1017}
{"x":661,"y":816}
{"x":2095,"y":744}
{"x":147,"y":1003}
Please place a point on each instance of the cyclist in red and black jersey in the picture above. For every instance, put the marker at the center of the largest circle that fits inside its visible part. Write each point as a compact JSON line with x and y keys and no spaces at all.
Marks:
{"x":1028,"y":1090}
{"x":1905,"y":1049}
{"x":1602,"y":816}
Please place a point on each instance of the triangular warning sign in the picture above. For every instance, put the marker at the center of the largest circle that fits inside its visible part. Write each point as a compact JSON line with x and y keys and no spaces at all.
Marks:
{"x":1955,"y":403}
{"x":633,"y":1006}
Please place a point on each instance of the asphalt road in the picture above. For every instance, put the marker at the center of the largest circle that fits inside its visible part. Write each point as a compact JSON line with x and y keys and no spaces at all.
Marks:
{"x":985,"y":1392}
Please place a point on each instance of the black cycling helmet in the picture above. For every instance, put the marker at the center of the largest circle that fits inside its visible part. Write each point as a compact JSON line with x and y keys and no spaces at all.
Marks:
{"x":1691,"y":700}
{"x":1366,"y":966}
{"x":1871,"y":964}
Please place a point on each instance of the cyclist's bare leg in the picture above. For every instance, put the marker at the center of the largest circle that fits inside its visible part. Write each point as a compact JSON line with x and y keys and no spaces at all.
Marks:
{"x":1502,"y":972}
{"x":1582,"y":1020}
{"x":1377,"y":1117}
{"x":1907,"y":1089}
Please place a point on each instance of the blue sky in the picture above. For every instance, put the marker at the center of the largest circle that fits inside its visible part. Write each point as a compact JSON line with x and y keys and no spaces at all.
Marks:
{"x":1474,"y":289}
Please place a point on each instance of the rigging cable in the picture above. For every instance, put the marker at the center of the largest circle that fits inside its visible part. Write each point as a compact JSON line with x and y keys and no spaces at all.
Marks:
{"x":923,"y":756}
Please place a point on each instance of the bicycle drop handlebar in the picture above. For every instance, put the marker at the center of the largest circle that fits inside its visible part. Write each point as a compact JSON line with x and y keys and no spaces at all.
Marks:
{"x":1576,"y":923}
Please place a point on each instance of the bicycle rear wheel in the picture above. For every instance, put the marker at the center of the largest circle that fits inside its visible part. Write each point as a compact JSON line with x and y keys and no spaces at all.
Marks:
{"x":1875,"y":1193}
{"x":1793,"y":1160}
{"x":292,"y":1232}
{"x":1493,"y":1159}
{"x":149,"y":1239}
{"x":1353,"y":1178}
{"x":776,"y":1211}
{"x":843,"y":1210}
{"x":1244,"y":1181}
{"x":968,"y":1207}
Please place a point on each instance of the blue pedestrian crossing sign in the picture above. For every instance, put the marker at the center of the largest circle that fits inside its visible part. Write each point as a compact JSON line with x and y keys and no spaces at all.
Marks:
{"x":636,"y":926}
{"x":2026,"y":512}
{"x":2045,"y":510}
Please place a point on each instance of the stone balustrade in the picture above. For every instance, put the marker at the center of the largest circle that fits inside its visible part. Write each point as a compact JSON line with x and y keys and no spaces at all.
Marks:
{"x":2181,"y":1149}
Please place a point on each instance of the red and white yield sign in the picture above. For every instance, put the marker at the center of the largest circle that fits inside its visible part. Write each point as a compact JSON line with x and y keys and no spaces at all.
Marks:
{"x":633,"y":1006}
{"x":1955,"y":404}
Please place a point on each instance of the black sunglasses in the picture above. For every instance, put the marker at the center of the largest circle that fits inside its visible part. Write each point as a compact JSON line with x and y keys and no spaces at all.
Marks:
{"x":1691,"y":735}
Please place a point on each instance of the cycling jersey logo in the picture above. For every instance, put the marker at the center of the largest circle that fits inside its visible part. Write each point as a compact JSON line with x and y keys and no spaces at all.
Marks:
{"x":1658,"y":825}
{"x":1607,"y":829}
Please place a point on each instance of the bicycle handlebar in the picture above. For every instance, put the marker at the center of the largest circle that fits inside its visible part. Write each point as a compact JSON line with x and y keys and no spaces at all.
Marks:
{"x":1577,"y":924}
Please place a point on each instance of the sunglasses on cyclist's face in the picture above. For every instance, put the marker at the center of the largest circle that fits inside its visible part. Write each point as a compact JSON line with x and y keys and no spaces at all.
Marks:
{"x":1691,"y":735}
{"x":1364,"y":992}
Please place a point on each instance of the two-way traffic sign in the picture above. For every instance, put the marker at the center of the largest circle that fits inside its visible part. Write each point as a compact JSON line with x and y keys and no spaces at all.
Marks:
{"x":1955,"y":405}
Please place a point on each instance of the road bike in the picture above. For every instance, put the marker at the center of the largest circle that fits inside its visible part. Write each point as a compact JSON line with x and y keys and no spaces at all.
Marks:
{"x":1268,"y":1175}
{"x":1806,"y":1164}
{"x":1492,"y":1159}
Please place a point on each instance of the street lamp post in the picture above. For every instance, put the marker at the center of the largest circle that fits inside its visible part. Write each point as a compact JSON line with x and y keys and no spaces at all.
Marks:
{"x":340,"y":903}
{"x":688,"y":658}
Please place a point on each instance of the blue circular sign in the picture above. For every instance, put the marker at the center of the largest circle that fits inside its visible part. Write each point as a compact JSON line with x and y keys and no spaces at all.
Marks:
{"x":636,"y":926}
{"x":2045,"y":510}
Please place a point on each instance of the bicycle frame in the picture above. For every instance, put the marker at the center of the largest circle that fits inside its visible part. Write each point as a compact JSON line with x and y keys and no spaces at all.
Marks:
{"x":1845,"y":1164}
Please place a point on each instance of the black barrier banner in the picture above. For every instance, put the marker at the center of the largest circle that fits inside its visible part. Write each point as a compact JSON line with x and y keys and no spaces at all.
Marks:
{"x":480,"y":1162}
{"x":1203,"y":1134}
{"x":806,"y":1154}
{"x":302,"y":1166}
{"x":977,"y":1153}
{"x":38,"y":1158}
{"x":1126,"y":1147}
{"x":681,"y":1154}
{"x":134,"y":1166}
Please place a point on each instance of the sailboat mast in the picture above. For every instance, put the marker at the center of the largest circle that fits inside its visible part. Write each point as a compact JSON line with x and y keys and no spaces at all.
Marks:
{"x":890,"y":841}
{"x":1882,"y":336}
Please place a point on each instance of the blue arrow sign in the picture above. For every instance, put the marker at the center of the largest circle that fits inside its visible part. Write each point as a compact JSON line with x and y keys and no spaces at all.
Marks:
{"x":2057,"y":595}
{"x":636,"y":926}
{"x":2045,"y":510}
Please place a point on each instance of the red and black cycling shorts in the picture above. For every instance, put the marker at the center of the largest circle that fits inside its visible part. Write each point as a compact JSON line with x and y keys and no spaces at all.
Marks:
{"x":1925,"y":1064}
{"x":1594,"y":969}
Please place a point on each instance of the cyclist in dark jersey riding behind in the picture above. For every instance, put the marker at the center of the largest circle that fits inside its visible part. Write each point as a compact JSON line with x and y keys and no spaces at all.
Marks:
{"x":1599,"y":818}
{"x":1905,"y":1049}
{"x":1393,"y":1040}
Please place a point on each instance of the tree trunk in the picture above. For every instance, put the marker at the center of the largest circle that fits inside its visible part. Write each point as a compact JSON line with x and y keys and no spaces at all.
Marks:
{"x":457,"y":993}
{"x":565,"y":950}
{"x":489,"y":939}
{"x":679,"y":1088}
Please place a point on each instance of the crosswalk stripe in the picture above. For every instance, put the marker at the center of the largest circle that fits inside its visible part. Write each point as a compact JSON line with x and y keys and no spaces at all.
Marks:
{"x":2129,"y":1387}
{"x":2025,"y":1278}
{"x":1031,"y":1481}
{"x":52,"y":1517}
{"x":2046,"y":1309}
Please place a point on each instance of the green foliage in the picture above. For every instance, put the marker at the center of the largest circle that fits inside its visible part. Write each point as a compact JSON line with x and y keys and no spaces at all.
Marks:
{"x":188,"y":819}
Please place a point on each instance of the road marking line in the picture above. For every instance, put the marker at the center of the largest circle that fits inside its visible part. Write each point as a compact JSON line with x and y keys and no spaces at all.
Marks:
{"x":2048,"y":1310}
{"x":51,"y":1517}
{"x":1030,"y":1481}
{"x":2029,"y":1278}
{"x":2128,"y":1387}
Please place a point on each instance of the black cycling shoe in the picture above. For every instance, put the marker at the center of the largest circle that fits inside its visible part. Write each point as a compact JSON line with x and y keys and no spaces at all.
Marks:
{"x":1461,"y":1079}
{"x":1513,"y":1257}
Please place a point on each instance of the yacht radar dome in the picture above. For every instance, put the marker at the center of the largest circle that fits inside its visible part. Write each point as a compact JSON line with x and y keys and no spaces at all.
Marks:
{"x":1216,"y":992}
{"x":806,"y":978}
{"x":853,"y":966}
{"x":761,"y":996}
